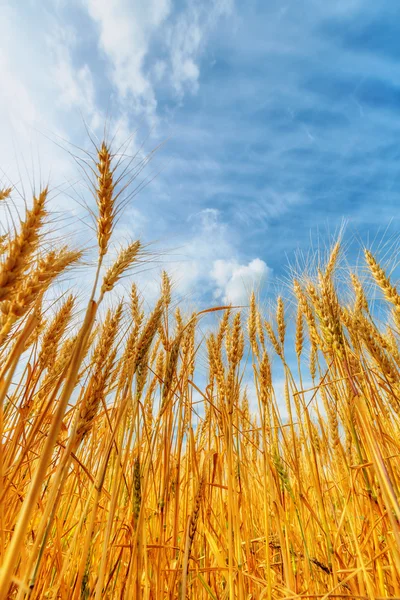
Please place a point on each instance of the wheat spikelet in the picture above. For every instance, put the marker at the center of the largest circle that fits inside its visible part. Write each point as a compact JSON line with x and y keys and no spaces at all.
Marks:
{"x":56,"y":374}
{"x":373,"y":342}
{"x":299,"y":333}
{"x":107,"y":337}
{"x":346,"y":317}
{"x":135,"y":304}
{"x":143,"y":347}
{"x":4,"y":242}
{"x":234,"y":354}
{"x":104,"y":360}
{"x":217,"y":370}
{"x":329,"y":324}
{"x":235,"y":351}
{"x":313,"y":361}
{"x":124,"y":260}
{"x":137,"y":498}
{"x":196,"y":510}
{"x":227,"y":338}
{"x":333,"y":423}
{"x":361,"y":302}
{"x":315,"y":438}
{"x":129,"y":356}
{"x":393,"y":345}
{"x":22,"y":247}
{"x":148,"y":410}
{"x":40,"y":326}
{"x":141,"y":376}
{"x":307,"y":312}
{"x":166,"y":289}
{"x":54,"y":332}
{"x":245,"y":410}
{"x":223,"y":328}
{"x":273,"y":339}
{"x":280,"y":319}
{"x":137,"y":315}
{"x":5,"y":193}
{"x":332,"y":260}
{"x":390,"y":292}
{"x":105,"y":198}
{"x":159,"y":375}
{"x":149,"y":332}
{"x":265,"y":379}
{"x":49,"y":267}
{"x":382,"y":279}
{"x":282,"y":472}
{"x":171,"y":369}
{"x":178,"y":321}
{"x":163,"y":335}
{"x":252,"y":324}
{"x":188,"y":346}
{"x":260,"y":329}
{"x":329,"y":314}
{"x":193,"y":524}
{"x":90,"y":405}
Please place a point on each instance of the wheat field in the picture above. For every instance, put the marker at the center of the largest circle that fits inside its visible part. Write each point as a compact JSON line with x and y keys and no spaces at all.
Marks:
{"x":123,"y":474}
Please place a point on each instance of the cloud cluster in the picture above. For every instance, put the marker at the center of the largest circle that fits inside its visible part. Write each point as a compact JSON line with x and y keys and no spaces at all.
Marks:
{"x":210,"y":265}
{"x":234,"y":281}
{"x":128,"y":34}
{"x":125,"y":31}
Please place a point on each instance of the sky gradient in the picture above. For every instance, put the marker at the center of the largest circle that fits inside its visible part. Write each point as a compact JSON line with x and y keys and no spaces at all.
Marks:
{"x":282,"y":121}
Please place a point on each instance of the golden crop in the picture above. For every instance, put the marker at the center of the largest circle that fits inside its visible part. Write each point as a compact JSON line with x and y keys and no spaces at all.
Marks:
{"x":116,"y":482}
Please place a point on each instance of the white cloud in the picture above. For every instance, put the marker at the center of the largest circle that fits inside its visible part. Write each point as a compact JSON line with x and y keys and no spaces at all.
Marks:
{"x":27,"y":157}
{"x":75,"y":84}
{"x":235,"y":281}
{"x":184,"y":41}
{"x":209,"y":262}
{"x":15,"y":100}
{"x":126,"y":29}
{"x":209,"y":237}
{"x":127,"y":32}
{"x":187,"y":37}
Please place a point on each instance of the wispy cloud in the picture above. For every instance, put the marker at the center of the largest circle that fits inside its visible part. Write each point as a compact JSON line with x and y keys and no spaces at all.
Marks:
{"x":125,"y":32}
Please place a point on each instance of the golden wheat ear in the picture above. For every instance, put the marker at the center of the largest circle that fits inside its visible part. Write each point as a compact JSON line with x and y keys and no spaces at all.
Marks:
{"x":252,"y":324}
{"x":49,"y":267}
{"x":105,"y":197}
{"x":125,"y":259}
{"x":5,"y":193}
{"x":22,"y":247}
{"x":54,"y":333}
{"x":383,"y":281}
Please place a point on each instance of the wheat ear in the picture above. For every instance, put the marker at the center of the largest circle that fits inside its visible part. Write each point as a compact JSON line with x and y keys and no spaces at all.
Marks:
{"x":22,"y":247}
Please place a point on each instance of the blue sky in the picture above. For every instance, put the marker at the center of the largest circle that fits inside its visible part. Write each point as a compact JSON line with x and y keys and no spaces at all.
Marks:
{"x":282,"y":119}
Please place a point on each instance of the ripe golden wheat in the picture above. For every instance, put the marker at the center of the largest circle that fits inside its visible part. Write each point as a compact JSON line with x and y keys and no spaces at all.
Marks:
{"x":126,"y":472}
